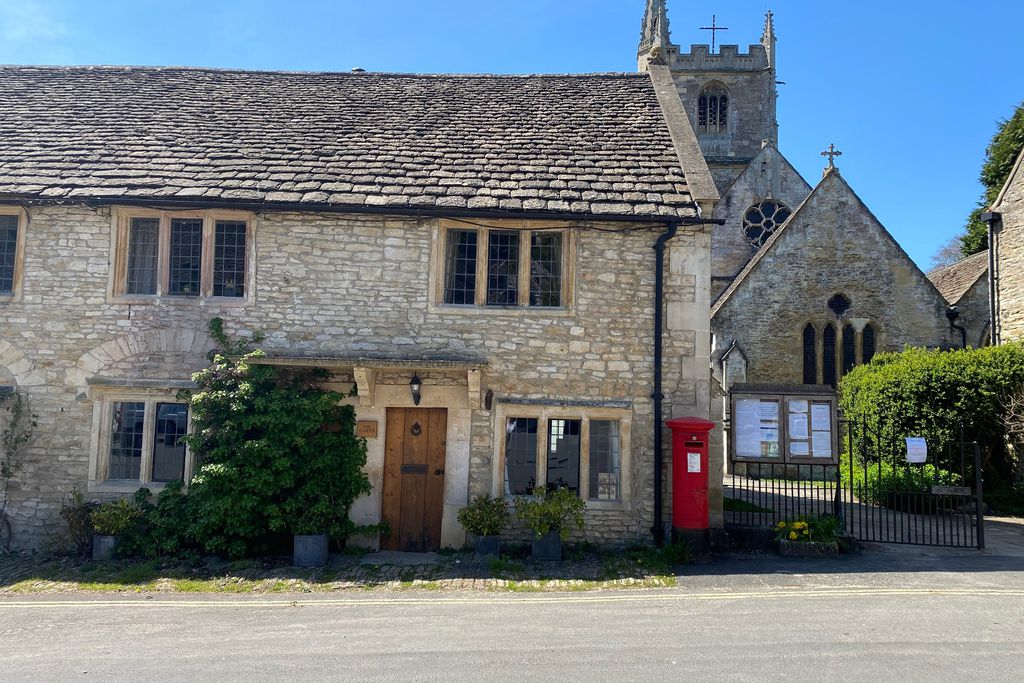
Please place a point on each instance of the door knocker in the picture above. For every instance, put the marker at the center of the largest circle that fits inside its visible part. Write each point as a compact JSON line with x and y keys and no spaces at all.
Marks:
{"x":416,"y":429}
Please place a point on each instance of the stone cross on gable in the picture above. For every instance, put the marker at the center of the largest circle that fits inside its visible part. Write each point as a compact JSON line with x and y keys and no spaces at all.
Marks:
{"x":831,"y":153}
{"x":714,"y":28}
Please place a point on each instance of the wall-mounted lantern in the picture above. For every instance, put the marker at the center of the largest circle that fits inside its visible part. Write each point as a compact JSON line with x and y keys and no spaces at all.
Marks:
{"x":415,"y":385}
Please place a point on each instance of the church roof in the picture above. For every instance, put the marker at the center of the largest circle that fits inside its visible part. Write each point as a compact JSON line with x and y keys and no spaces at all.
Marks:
{"x":584,"y":144}
{"x":954,"y":281}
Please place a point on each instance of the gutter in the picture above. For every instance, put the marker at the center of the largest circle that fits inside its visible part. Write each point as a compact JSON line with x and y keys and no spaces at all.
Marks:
{"x":420,"y":212}
{"x":991,"y":218}
{"x":671,"y":229}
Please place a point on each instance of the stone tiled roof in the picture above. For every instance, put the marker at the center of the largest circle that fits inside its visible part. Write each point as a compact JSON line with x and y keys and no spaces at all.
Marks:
{"x":588,"y":144}
{"x":954,"y":281}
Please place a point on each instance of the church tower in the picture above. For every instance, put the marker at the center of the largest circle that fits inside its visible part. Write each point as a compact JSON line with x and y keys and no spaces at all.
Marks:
{"x":729,"y":95}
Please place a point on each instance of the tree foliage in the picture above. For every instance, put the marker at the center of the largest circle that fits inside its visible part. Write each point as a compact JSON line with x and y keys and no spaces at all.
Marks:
{"x":18,"y":424}
{"x":276,"y":454}
{"x":943,"y":396}
{"x":1000,"y":155}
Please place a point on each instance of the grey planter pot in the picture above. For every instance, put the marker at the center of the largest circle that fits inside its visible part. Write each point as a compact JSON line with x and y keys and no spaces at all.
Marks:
{"x":103,"y":547}
{"x":310,"y":550}
{"x":807,"y":549}
{"x":547,"y":548}
{"x":488,"y":546}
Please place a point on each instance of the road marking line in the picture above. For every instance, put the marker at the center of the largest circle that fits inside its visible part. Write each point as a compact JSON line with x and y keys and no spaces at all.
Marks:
{"x":525,"y":599}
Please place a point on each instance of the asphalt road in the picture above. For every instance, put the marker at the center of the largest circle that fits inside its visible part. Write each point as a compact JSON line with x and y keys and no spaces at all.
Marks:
{"x":798,"y":628}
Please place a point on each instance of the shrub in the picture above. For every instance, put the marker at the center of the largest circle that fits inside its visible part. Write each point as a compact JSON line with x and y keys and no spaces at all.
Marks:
{"x":162,"y":529}
{"x":1006,"y":500}
{"x":76,"y":513}
{"x":943,"y":396}
{"x":115,"y":517}
{"x":276,"y":454}
{"x":895,"y":487}
{"x":485,"y":516}
{"x":560,"y":510}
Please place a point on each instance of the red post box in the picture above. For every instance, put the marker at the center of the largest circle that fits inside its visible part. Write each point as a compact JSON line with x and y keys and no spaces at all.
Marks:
{"x":690,"y":520}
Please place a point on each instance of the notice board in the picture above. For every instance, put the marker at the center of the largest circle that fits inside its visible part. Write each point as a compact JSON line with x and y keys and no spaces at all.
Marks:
{"x":783,"y":426}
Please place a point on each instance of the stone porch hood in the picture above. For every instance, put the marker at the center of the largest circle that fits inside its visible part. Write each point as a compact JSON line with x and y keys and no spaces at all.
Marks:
{"x":366,"y":370}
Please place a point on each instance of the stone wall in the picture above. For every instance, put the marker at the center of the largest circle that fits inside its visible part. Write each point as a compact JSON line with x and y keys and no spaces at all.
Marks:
{"x":832,"y":246}
{"x":974,"y":314}
{"x":350,"y":285}
{"x":1010,"y":252}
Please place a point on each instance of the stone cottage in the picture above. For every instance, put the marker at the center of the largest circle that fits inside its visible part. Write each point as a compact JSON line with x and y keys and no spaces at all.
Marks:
{"x":1006,"y":228}
{"x":489,"y":236}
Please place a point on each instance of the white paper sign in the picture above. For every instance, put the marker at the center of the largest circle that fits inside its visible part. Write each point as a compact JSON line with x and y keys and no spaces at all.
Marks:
{"x":748,"y":430}
{"x":821,"y":443}
{"x":800,"y":448}
{"x":821,"y":417}
{"x":917,"y":450}
{"x":798,"y":425}
{"x":693,"y":462}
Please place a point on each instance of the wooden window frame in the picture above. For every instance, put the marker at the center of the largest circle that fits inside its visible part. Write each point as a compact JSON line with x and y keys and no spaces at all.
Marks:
{"x":480,"y":305}
{"x":117,"y":288}
{"x":783,"y":400}
{"x":99,"y":456}
{"x":544,"y":414}
{"x":15,"y":295}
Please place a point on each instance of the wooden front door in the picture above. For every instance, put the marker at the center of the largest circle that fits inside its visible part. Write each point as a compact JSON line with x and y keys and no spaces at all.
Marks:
{"x":414,"y":449}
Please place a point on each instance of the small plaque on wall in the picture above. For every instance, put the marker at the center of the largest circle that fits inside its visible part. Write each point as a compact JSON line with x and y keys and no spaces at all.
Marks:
{"x":366,"y":429}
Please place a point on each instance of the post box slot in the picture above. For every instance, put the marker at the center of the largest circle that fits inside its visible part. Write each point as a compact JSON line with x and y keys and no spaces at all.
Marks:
{"x":695,"y":444}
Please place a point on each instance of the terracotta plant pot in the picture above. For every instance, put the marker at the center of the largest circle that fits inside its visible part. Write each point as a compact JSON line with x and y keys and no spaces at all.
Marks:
{"x":548,"y":548}
{"x":310,"y":550}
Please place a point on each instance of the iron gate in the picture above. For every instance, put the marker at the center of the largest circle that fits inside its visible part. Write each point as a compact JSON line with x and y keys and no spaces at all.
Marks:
{"x":890,"y":500}
{"x":877,"y":493}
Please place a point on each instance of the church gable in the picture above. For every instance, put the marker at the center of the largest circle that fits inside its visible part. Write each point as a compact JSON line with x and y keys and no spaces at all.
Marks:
{"x":831,"y":266}
{"x":769,"y":189}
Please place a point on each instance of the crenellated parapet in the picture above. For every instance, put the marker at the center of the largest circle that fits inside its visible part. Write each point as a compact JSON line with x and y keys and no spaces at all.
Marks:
{"x":728,"y":58}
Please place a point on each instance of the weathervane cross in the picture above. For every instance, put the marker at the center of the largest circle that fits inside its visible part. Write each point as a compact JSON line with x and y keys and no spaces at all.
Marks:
{"x":714,"y":28}
{"x":831,"y":153}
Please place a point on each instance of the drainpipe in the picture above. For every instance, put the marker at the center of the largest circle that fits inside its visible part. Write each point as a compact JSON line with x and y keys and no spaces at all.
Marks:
{"x":991,"y":218}
{"x":671,"y":229}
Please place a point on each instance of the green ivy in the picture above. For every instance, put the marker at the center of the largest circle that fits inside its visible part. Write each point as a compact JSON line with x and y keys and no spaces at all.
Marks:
{"x":276,"y":454}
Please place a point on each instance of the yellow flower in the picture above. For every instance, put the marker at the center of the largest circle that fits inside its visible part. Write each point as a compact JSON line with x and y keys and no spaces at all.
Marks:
{"x":806,"y":532}
{"x":792,"y":535}
{"x":780,"y":525}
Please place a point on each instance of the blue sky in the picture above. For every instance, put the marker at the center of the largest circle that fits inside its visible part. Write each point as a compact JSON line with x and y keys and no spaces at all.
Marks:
{"x":910,"y":91}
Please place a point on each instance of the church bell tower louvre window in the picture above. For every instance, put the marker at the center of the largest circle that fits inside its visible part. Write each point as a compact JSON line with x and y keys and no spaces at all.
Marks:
{"x":761,"y":220}
{"x":713,"y":109}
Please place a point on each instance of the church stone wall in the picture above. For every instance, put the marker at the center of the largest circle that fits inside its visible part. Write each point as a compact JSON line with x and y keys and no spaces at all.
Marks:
{"x":349,"y":285}
{"x":974,"y":313}
{"x":833,"y":246}
{"x":1010,"y":252}
{"x":769,"y":175}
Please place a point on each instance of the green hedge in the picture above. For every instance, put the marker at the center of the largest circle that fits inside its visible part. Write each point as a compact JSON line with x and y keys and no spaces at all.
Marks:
{"x":940,"y":395}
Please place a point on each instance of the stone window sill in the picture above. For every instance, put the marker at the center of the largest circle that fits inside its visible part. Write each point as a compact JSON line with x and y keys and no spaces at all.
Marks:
{"x":220,"y":302}
{"x":509,"y":311}
{"x":124,"y":486}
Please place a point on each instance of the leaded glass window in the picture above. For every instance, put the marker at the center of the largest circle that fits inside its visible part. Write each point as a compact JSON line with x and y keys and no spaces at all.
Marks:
{"x":849,"y":348}
{"x":713,"y":110}
{"x":503,"y":268}
{"x":229,"y":258}
{"x":186,"y":256}
{"x":761,"y":220}
{"x":143,"y":248}
{"x":460,"y":269}
{"x":868,"y":342}
{"x":126,"y":440}
{"x":168,"y":448}
{"x":605,"y":458}
{"x":828,"y":366}
{"x":8,"y":252}
{"x":546,"y":269}
{"x":810,"y":355}
{"x":520,"y":456}
{"x":564,"y":454}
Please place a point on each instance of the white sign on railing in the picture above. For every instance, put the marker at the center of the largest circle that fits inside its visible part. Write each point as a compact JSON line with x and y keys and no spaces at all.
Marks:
{"x":917,"y":450}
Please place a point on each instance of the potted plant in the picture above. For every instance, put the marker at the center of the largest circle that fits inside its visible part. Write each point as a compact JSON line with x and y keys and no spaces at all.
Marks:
{"x":551,"y":516}
{"x":485,"y":518}
{"x":109,"y":522}
{"x":809,"y":536}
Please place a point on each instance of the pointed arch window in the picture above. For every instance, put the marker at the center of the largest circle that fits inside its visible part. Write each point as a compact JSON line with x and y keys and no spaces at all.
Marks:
{"x":868,"y":343}
{"x":849,"y":348}
{"x":828,"y":356}
{"x":713,"y":109}
{"x":810,"y":355}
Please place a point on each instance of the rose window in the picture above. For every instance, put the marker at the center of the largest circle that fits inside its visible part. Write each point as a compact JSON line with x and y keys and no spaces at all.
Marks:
{"x":761,"y":220}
